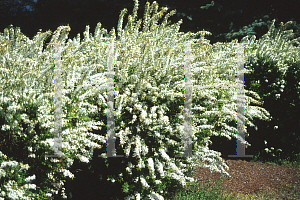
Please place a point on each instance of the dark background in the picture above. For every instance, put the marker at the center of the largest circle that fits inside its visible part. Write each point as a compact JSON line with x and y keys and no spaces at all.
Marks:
{"x":32,"y":15}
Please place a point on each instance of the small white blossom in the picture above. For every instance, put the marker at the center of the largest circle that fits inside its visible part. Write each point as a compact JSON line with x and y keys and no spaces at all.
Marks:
{"x":138,"y":196}
{"x":67,"y":173}
{"x":144,"y":182}
{"x":138,"y":107}
{"x":160,"y":168}
{"x":151,"y":165}
{"x":5,"y":127}
{"x":12,"y":164}
{"x":136,"y":179}
{"x":143,"y":115}
{"x":30,"y":186}
{"x":164,"y":155}
{"x":156,"y":196}
{"x":128,"y":170}
{"x":30,"y":178}
{"x":49,"y":195}
{"x":31,"y":156}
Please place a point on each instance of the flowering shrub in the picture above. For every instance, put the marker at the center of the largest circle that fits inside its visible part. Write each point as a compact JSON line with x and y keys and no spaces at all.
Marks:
{"x":14,"y":185}
{"x":23,"y":148}
{"x":149,"y":96}
{"x":275,"y":65}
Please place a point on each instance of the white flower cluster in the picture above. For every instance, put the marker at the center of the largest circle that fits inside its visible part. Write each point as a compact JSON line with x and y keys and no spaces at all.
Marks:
{"x":278,"y":46}
{"x":13,"y":189}
{"x":30,"y":178}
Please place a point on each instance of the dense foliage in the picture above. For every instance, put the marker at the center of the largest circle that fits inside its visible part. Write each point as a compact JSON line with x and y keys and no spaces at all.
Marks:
{"x":149,"y":99}
{"x":274,"y":62}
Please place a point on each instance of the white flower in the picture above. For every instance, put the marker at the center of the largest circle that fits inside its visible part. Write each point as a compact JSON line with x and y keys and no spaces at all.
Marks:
{"x":160,"y":168}
{"x":148,"y":121}
{"x":143,"y":114}
{"x":175,"y":168}
{"x":30,"y":178}
{"x":157,"y":134}
{"x":127,"y":150}
{"x":26,"y":167}
{"x":2,"y":173}
{"x":31,"y":156}
{"x":134,"y":119}
{"x":164,"y":155}
{"x":67,"y":173}
{"x":49,"y":195}
{"x":151,"y":165}
{"x":50,"y":175}
{"x":30,"y":186}
{"x":141,"y":164}
{"x":165,"y":119}
{"x":5,"y":127}
{"x":83,"y":159}
{"x":138,"y":107}
{"x":156,"y":196}
{"x":12,"y":164}
{"x":136,"y":179}
{"x":128,"y":170}
{"x":138,"y":147}
{"x":144,"y":182}
{"x":138,"y":196}
{"x":144,"y":149}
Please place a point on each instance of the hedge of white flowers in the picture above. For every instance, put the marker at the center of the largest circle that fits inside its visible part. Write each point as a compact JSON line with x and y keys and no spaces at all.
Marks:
{"x":149,"y":95}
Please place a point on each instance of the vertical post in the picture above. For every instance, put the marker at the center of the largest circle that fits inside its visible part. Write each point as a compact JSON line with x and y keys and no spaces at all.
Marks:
{"x":240,"y":136}
{"x":187,"y":103}
{"x":57,"y":105}
{"x":110,"y":146}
